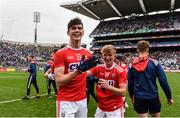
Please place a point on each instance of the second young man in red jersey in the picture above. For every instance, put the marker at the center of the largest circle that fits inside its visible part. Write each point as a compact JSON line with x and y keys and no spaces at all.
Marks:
{"x":111,"y":86}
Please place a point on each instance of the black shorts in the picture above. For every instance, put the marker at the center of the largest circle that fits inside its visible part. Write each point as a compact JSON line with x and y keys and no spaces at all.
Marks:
{"x":147,"y":105}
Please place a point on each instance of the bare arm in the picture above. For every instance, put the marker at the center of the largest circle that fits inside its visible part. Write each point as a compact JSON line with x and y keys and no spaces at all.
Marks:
{"x":61,"y":78}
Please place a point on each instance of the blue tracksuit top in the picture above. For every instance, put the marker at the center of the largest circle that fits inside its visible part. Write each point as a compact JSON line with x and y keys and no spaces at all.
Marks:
{"x":142,"y":83}
{"x":32,"y":68}
{"x":48,"y":66}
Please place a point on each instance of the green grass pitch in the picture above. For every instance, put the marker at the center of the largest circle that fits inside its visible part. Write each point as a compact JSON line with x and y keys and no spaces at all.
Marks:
{"x":13,"y":87}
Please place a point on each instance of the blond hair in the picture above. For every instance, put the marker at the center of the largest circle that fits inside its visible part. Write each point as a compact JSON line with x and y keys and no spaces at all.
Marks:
{"x":108,"y":49}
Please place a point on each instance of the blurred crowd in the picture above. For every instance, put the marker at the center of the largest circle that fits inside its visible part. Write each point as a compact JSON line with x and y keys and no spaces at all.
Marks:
{"x":124,"y":44}
{"x":148,"y":23}
{"x":13,"y":54}
{"x":170,"y":60}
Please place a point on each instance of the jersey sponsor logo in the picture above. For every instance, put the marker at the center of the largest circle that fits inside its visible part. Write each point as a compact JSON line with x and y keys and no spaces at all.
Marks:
{"x":110,"y":82}
{"x":72,"y":66}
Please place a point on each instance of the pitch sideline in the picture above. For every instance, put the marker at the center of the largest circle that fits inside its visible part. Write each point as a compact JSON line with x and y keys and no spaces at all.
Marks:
{"x":3,"y":102}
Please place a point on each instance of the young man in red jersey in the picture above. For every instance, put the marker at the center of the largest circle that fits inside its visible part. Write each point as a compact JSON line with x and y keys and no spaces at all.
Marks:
{"x":49,"y":74}
{"x":111,"y":85}
{"x":71,"y":96}
{"x":121,"y":61}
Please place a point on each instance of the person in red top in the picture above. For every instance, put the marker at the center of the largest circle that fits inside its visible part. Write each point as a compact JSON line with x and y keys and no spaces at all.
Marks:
{"x":71,"y":95}
{"x":111,"y":85}
{"x":121,"y":61}
{"x":49,"y":74}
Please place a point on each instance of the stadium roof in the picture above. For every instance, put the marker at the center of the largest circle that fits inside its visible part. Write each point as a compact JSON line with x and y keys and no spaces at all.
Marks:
{"x":104,"y":9}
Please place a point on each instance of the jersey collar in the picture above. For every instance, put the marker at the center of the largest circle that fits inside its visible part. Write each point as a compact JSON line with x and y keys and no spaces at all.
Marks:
{"x":110,"y":67}
{"x":74,"y":48}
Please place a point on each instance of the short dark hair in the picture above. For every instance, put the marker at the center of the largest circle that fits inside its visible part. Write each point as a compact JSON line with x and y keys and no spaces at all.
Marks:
{"x":143,"y":46}
{"x":74,"y":21}
{"x":120,"y":57}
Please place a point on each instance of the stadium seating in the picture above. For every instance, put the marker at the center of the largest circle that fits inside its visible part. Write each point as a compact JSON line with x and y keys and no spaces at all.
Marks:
{"x":13,"y":54}
{"x":150,"y":23}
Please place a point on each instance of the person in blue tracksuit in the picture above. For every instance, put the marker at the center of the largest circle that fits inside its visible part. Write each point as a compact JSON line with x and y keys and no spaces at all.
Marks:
{"x":32,"y":69}
{"x":91,"y":80}
{"x":142,"y":87}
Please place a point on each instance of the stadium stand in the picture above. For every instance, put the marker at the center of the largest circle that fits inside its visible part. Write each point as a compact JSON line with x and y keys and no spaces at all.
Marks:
{"x":124,"y":22}
{"x":13,"y":54}
{"x":133,"y":25}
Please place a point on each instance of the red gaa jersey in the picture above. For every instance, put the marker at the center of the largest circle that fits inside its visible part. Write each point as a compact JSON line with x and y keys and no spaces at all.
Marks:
{"x":69,"y":58}
{"x":124,"y":66}
{"x":107,"y":100}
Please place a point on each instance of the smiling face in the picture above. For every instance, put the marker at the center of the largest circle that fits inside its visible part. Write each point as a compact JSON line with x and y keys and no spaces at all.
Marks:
{"x":108,"y":55}
{"x":108,"y":59}
{"x":76,"y":32}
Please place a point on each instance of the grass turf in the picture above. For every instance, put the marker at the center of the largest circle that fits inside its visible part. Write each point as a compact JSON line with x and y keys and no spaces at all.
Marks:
{"x":13,"y":86}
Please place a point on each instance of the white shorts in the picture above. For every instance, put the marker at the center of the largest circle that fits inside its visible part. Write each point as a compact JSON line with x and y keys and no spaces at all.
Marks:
{"x":119,"y":113}
{"x":71,"y":109}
